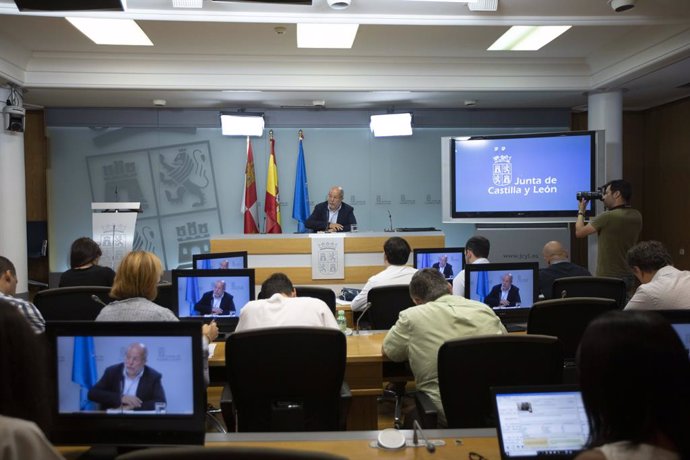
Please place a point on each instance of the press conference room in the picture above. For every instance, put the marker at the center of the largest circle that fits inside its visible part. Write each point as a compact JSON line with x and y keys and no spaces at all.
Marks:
{"x":97,"y":122}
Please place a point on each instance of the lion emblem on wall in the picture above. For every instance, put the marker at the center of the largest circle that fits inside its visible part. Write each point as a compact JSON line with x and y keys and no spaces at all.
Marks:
{"x":186,"y":175}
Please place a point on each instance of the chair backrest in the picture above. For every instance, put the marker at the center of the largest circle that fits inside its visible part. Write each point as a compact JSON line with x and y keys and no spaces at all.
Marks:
{"x":322,"y":293}
{"x":165,"y":297}
{"x":287,"y":378}
{"x":224,"y":453}
{"x":590,"y":286}
{"x":468,"y":367}
{"x":566,"y":319}
{"x":71,"y":303}
{"x":386,"y":304}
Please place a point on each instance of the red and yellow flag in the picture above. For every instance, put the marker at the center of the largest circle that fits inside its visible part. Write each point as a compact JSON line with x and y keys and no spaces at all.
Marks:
{"x":249,"y":207}
{"x":272,"y":206}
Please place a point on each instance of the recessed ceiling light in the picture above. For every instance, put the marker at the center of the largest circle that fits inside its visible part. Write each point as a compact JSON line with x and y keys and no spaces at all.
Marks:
{"x":104,"y":31}
{"x":527,"y":38}
{"x":326,"y":35}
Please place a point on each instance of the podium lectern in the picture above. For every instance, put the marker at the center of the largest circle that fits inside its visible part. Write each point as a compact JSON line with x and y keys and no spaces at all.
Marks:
{"x":113,"y":230}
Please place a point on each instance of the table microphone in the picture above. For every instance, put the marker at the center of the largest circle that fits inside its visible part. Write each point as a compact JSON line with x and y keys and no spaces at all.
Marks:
{"x":415,"y":439}
{"x":366,"y":307}
{"x":97,"y":299}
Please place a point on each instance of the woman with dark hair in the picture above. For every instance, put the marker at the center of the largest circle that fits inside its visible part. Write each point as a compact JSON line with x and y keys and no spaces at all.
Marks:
{"x":24,"y":411}
{"x":84,"y":269}
{"x":635,"y":381}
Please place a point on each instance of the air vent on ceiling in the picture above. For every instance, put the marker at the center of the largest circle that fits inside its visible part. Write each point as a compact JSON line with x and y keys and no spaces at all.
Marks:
{"x":69,"y":5}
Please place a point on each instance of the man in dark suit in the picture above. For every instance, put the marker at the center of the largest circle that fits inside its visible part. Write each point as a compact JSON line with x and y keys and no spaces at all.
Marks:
{"x":444,"y":267}
{"x":504,"y":294}
{"x":559,"y":266}
{"x":217,"y":301}
{"x":130,"y":385}
{"x":332,"y":215}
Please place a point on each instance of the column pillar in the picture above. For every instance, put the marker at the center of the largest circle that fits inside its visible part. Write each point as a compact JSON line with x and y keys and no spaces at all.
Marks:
{"x":605,"y":112}
{"x":13,"y":193}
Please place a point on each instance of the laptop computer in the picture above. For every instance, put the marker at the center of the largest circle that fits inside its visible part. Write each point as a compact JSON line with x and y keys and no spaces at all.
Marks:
{"x":540,"y":422}
{"x":680,"y":320}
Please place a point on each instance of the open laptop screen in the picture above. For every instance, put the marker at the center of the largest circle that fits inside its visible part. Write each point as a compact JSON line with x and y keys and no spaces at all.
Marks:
{"x":449,"y":261}
{"x":220,"y":260}
{"x":127,"y":383}
{"x":540,"y":422}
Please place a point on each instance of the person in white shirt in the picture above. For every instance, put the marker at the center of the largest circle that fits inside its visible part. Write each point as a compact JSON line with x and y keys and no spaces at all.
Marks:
{"x":396,"y":252}
{"x":663,"y":287}
{"x":282,"y":307}
{"x":476,"y":252}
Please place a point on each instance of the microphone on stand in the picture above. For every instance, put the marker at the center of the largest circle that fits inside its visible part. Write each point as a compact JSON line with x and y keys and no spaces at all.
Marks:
{"x":364,"y":310}
{"x":97,"y":299}
{"x":415,"y":437}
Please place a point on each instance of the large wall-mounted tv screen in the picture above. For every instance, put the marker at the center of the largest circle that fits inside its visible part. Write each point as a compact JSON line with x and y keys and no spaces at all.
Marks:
{"x":514,"y":177}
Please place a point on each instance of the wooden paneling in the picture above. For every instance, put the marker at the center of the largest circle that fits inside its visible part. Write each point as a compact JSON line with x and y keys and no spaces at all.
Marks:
{"x":303,"y":245}
{"x":35,"y":164}
{"x":660,"y":146}
{"x":302,"y":275}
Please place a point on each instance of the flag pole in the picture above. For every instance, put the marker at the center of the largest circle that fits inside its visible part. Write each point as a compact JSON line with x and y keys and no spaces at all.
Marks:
{"x":300,"y":135}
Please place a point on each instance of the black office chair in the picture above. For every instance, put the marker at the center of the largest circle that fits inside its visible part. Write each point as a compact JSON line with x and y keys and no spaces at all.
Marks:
{"x":71,"y":303}
{"x":567,"y":319}
{"x":468,"y":367}
{"x":384,"y":306}
{"x":224,"y":453}
{"x":590,"y":286}
{"x":286,"y":379}
{"x":165,"y":297}
{"x":322,"y":293}
{"x":386,"y":303}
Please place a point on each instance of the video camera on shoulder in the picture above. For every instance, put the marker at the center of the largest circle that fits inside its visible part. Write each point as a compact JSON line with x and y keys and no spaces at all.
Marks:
{"x":589,"y":196}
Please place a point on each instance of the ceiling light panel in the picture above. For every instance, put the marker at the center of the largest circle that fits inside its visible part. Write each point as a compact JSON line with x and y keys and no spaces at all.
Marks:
{"x":104,"y":31}
{"x":527,"y":38}
{"x":326,"y":35}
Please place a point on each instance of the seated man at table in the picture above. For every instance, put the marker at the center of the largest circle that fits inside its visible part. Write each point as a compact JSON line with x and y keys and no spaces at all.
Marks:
{"x":217,"y":301}
{"x":396,"y":251}
{"x":130,"y":385}
{"x":438,"y":317}
{"x":332,"y":215}
{"x":281,"y":307}
{"x":504,"y":294}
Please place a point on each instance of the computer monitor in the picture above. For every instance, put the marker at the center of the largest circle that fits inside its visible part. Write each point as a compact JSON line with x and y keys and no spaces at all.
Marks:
{"x":428,"y":257}
{"x":194,"y":292}
{"x":220,"y":260}
{"x":680,"y":320}
{"x":484,"y":283}
{"x":540,"y":422}
{"x":87,"y":361}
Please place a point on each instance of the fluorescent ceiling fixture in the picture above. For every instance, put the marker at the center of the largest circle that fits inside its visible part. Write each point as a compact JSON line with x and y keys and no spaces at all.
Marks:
{"x":326,"y":35}
{"x":242,"y":124}
{"x":393,"y":124}
{"x":527,"y":38}
{"x":111,"y":31}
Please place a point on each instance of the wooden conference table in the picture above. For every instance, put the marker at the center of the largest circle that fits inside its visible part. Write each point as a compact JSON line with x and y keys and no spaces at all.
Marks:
{"x":355,"y":444}
{"x":363,"y":373}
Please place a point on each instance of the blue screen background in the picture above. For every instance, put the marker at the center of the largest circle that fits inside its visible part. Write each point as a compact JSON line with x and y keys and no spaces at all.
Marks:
{"x":565,"y":158}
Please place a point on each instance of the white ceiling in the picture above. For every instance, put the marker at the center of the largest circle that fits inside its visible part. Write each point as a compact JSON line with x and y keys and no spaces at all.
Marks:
{"x":407,"y":54}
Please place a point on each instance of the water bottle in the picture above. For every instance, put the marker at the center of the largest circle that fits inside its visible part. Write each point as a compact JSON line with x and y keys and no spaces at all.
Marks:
{"x":342,"y":322}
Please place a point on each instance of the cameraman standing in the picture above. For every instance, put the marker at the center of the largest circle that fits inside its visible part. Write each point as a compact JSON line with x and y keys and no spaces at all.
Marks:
{"x":618,"y":229}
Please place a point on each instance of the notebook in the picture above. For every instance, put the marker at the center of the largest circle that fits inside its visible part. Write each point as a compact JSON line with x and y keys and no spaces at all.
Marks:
{"x":540,"y":422}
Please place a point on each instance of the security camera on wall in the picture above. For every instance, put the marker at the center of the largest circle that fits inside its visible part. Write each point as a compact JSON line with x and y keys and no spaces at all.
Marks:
{"x":622,"y":5}
{"x":14,"y":118}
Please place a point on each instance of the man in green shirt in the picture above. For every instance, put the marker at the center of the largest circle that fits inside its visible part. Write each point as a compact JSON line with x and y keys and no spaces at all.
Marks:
{"x":618,"y":229}
{"x":437,"y":317}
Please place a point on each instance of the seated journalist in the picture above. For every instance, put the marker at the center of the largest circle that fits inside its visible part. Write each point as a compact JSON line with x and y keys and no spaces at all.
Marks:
{"x":332,"y":215}
{"x":281,"y":307}
{"x":504,"y":294}
{"x":130,"y":385}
